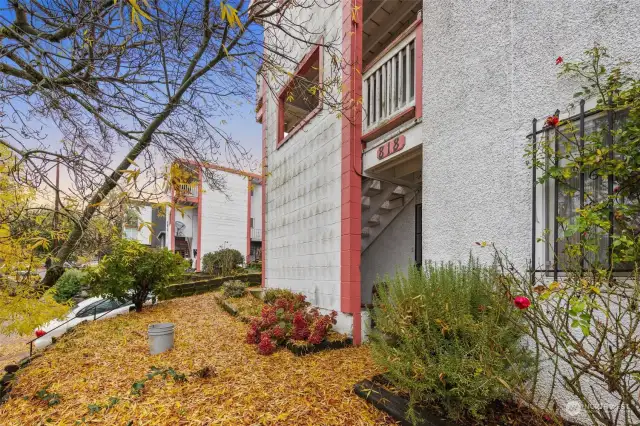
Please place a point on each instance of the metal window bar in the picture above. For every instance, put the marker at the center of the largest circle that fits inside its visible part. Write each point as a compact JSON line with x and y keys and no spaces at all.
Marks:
{"x":610,"y":185}
{"x":611,"y":119}
{"x":582,"y":177}
{"x":534,"y":196}
{"x":556,"y":212}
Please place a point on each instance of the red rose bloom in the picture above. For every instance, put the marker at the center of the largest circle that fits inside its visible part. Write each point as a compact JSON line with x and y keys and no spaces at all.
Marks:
{"x":616,"y":189}
{"x":521,"y":302}
{"x":40,"y":333}
{"x":552,"y":121}
{"x":559,"y":60}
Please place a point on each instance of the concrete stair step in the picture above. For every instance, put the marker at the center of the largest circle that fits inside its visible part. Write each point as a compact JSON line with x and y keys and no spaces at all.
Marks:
{"x":387,"y":206}
{"x":366,"y":202}
{"x":372,"y":187}
{"x":374,"y":221}
{"x":398,"y":192}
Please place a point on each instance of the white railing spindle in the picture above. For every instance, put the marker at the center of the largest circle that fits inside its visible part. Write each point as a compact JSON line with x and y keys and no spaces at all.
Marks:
{"x":387,"y":89}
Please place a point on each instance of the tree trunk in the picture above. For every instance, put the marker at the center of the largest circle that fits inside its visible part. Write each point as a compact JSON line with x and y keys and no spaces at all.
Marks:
{"x":78,"y":228}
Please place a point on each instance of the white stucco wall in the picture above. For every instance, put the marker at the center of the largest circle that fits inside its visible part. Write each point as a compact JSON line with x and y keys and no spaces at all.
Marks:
{"x":256,"y":206}
{"x":489,"y":69}
{"x":393,"y":251}
{"x":224,"y":215}
{"x":141,"y":235}
{"x":303,"y":192}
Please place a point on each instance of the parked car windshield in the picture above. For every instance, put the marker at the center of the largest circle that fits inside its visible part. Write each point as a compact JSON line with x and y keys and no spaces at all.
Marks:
{"x":100,"y":306}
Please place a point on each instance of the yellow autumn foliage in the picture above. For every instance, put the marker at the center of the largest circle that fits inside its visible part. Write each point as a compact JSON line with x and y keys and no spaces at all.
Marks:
{"x":22,"y":306}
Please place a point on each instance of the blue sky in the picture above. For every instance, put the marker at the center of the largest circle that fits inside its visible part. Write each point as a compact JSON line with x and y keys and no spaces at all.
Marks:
{"x":240,"y":124}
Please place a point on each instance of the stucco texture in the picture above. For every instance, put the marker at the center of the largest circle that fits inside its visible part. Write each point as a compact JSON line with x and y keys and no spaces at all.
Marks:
{"x":489,"y":69}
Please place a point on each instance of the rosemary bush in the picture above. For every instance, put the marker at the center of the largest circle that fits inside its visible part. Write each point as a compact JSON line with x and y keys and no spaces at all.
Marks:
{"x":447,"y":335}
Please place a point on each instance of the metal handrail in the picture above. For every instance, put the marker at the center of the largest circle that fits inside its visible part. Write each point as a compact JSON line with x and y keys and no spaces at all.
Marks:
{"x":30,"y":343}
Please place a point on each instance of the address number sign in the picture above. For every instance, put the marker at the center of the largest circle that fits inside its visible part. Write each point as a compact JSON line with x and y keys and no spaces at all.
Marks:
{"x":391,"y":147}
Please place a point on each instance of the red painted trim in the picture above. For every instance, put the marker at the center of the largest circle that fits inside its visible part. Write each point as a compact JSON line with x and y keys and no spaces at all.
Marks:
{"x":351,"y":182}
{"x":298,"y":127}
{"x":172,"y":222}
{"x":303,"y":67}
{"x":391,"y":123}
{"x":221,"y":168}
{"x":200,"y":208}
{"x":264,"y":188}
{"x":418,"y":74}
{"x":395,"y":42}
{"x":249,"y":184}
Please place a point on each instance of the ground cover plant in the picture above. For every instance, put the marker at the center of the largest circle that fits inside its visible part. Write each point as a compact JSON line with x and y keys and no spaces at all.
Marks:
{"x":227,"y":382}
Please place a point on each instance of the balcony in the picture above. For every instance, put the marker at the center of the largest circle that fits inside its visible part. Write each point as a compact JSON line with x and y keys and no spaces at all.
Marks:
{"x":390,"y":84}
{"x":256,"y":234}
{"x":392,"y":91}
{"x":187,"y":190}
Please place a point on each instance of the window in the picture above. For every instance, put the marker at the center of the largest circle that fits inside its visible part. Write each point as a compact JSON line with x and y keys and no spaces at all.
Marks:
{"x":252,"y":222}
{"x":100,"y":307}
{"x":299,"y":100}
{"x":556,"y":203}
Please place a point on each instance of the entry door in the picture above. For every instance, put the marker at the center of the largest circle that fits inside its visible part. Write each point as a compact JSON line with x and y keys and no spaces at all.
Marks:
{"x":418,"y":241}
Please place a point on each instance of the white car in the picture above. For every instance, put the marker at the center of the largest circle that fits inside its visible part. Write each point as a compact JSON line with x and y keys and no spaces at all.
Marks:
{"x":87,"y":310}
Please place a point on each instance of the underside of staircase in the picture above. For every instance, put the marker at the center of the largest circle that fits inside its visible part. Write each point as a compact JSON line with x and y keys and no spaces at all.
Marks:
{"x":381,"y":203}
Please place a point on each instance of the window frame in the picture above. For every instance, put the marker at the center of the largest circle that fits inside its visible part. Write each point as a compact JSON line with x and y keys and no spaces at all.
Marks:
{"x":303,"y":67}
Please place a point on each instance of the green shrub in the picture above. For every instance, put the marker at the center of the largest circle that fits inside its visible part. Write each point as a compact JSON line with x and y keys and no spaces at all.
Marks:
{"x":448,"y":337}
{"x":273,"y":294}
{"x":234,"y":288}
{"x":69,"y":284}
{"x":254,"y":266}
{"x":132,"y":271}
{"x":221,"y":262}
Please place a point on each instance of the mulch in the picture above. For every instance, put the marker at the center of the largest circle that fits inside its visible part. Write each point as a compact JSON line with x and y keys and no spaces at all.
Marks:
{"x":97,"y":363}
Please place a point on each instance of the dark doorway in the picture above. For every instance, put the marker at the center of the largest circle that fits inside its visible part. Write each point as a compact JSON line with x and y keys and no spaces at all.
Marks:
{"x":418,"y":241}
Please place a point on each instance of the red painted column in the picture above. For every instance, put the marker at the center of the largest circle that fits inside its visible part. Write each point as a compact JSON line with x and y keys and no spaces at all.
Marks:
{"x":351,"y":181}
{"x":249,"y":185}
{"x":263,"y":182}
{"x":200,"y":207}
{"x":172,"y":222}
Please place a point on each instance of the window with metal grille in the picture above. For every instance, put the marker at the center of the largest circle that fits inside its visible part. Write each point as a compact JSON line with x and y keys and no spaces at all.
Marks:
{"x":556,"y":204}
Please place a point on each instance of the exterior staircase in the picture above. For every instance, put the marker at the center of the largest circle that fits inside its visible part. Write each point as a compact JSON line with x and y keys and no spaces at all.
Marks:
{"x":381,"y":203}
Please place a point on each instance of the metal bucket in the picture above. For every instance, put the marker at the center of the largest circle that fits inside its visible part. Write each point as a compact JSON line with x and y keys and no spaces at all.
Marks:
{"x":160,"y":337}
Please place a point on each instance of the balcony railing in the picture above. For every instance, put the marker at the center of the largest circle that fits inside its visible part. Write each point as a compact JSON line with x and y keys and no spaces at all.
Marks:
{"x":256,"y":234}
{"x":188,"y":189}
{"x":389,"y":83}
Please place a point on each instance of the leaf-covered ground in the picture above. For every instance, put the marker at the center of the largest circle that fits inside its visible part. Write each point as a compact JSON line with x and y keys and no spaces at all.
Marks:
{"x":100,"y":361}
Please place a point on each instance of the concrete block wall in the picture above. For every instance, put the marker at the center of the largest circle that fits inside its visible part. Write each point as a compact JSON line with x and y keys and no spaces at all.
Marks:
{"x":224,"y":215}
{"x":303,"y":190}
{"x":489,"y":69}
